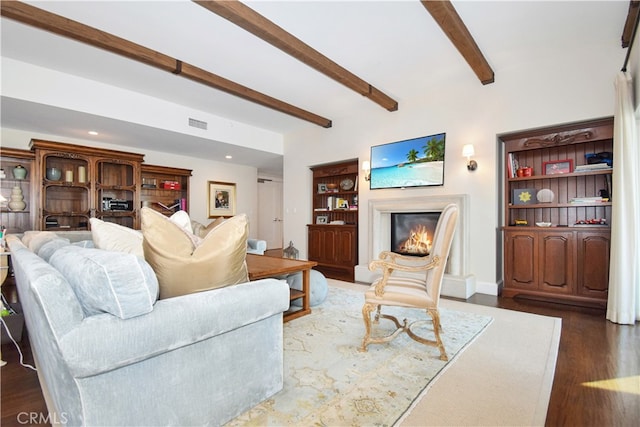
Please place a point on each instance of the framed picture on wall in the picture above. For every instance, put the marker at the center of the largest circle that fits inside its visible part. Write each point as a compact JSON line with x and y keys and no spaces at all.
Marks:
{"x":222,"y":199}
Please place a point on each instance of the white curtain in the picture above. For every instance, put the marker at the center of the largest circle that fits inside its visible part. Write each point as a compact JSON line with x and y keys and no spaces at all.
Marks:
{"x":624,"y":268}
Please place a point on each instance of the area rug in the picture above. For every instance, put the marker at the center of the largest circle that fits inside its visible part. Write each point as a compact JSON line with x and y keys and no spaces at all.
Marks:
{"x":328,"y":382}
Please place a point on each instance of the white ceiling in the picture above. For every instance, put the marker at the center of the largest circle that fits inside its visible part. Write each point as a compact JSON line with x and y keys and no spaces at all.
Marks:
{"x":394,"y":45}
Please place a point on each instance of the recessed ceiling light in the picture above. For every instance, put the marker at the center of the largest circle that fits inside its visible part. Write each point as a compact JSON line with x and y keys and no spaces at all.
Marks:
{"x":93,"y":132}
{"x":228,"y":157}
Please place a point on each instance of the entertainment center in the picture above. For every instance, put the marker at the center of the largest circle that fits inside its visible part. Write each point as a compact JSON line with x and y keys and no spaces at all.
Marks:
{"x":66,"y":184}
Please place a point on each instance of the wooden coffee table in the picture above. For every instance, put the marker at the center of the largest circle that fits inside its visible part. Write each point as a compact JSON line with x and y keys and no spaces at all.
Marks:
{"x":261,"y":267}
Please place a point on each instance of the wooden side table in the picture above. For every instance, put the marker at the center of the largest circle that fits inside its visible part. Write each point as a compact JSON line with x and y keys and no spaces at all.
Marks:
{"x":261,"y":266}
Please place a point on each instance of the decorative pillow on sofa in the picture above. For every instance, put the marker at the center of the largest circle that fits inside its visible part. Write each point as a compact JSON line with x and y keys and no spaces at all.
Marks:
{"x":34,"y":240}
{"x":108,"y":282}
{"x":181,"y":219}
{"x":201,"y":230}
{"x":115,"y":237}
{"x":185,"y":264}
{"x":51,"y":246}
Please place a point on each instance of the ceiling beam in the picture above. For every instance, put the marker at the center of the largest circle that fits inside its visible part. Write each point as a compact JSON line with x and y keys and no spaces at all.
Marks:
{"x":450,"y":22}
{"x":630,"y":23}
{"x":60,"y":25}
{"x":250,"y":20}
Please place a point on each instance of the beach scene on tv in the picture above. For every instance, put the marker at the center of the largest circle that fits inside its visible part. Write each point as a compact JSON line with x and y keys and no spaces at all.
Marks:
{"x":410,"y":163}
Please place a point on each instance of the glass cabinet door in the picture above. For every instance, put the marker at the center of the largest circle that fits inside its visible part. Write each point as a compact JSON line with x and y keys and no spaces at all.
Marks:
{"x":116,"y":192}
{"x":66,"y":191}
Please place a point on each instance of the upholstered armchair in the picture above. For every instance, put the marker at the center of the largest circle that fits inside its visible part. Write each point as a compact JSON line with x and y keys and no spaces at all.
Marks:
{"x":255,"y":246}
{"x":410,"y":290}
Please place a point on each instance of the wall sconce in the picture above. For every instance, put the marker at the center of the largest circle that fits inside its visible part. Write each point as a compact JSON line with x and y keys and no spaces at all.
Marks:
{"x":468,"y":151}
{"x":366,"y":167}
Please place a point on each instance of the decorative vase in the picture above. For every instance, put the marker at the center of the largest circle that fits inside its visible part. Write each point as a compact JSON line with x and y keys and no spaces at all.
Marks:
{"x":19,"y":172}
{"x":54,"y":174}
{"x":17,"y":199}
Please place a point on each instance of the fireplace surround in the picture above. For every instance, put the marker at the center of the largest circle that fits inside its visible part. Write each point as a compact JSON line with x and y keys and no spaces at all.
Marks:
{"x":457,"y":282}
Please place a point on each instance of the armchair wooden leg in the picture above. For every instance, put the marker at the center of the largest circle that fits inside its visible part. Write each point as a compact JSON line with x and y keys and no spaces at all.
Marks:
{"x":437,"y":328}
{"x":376,"y":319}
{"x":366,"y":316}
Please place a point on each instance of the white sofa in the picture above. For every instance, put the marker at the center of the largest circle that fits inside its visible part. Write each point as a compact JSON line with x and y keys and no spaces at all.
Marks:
{"x":197,"y":359}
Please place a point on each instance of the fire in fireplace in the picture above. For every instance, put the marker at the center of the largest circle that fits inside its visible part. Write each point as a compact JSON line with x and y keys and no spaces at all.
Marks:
{"x":412,"y":232}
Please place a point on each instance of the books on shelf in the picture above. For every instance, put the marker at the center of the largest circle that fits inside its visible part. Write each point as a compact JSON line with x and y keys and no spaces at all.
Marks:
{"x":512,"y":166}
{"x":592,"y":167}
{"x":596,"y":199}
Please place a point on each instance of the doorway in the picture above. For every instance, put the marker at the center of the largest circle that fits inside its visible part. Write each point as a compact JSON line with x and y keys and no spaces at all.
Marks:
{"x":270,"y":212}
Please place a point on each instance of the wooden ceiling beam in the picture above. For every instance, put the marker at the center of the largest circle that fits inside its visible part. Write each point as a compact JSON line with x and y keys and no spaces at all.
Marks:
{"x":630,"y":23}
{"x":450,"y":22}
{"x":62,"y":26}
{"x":251,"y":21}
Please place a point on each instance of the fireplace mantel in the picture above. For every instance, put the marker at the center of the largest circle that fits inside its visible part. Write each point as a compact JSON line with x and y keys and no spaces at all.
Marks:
{"x":458,"y":282}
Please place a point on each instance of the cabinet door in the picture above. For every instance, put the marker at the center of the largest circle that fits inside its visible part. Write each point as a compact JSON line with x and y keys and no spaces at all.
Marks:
{"x":556,"y":262}
{"x":521,"y":262}
{"x":345,"y":247}
{"x":322,"y":245}
{"x":593,"y":263}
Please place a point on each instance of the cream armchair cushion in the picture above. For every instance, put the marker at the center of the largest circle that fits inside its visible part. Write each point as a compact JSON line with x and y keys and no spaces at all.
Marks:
{"x":185,"y":263}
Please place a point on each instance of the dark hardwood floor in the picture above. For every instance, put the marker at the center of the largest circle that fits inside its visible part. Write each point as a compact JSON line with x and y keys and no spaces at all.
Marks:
{"x":595,"y":357}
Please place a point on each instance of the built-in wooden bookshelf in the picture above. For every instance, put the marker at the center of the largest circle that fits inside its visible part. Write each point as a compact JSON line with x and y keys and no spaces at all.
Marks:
{"x":558,"y":212}
{"x":165,"y":189}
{"x":333,"y":236}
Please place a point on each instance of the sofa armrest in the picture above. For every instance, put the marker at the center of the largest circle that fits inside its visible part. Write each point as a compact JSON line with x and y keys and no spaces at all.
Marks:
{"x":255,"y":246}
{"x":104,"y":342}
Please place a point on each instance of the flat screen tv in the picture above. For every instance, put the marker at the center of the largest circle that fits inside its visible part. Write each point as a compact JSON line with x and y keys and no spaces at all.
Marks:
{"x":416,"y":162}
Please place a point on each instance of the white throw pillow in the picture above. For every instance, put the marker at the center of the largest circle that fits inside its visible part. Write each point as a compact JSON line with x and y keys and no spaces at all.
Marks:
{"x":182,"y":220}
{"x":114,"y":237}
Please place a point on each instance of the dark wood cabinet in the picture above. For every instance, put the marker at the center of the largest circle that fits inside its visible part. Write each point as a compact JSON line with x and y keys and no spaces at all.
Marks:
{"x":67,"y":184}
{"x":165,"y":189}
{"x":334,"y":248}
{"x":15,"y":217}
{"x":77,"y":183}
{"x":333,"y":236}
{"x":557,"y":223}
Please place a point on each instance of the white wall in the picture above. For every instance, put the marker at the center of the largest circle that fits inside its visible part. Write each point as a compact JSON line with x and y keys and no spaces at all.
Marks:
{"x":32,"y":83}
{"x":245,"y":177}
{"x":575,"y":86}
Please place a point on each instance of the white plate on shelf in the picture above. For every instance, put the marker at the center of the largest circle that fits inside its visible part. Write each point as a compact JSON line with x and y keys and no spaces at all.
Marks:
{"x":543,"y":224}
{"x":545,"y":196}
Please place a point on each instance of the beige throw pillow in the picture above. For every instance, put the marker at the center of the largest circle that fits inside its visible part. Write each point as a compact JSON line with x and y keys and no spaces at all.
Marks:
{"x":184,"y":264}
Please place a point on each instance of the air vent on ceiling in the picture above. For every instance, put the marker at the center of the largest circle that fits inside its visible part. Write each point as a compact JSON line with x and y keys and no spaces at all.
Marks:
{"x":197,"y":124}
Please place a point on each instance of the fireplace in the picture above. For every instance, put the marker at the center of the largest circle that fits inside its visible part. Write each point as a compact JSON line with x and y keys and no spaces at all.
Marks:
{"x":412,"y":232}
{"x":458,"y":282}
